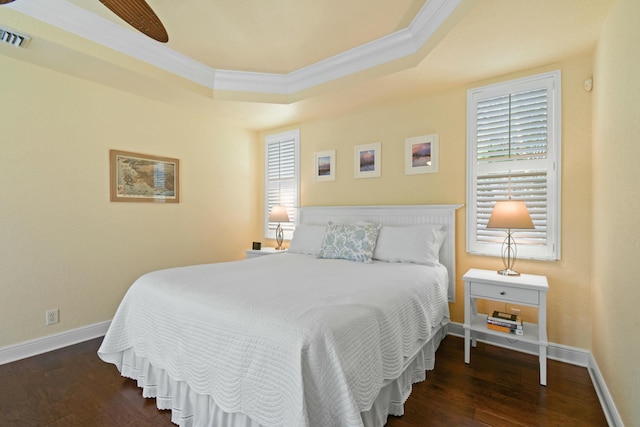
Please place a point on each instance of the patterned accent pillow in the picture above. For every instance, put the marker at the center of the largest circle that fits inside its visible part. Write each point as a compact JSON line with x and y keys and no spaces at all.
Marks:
{"x":350,"y":242}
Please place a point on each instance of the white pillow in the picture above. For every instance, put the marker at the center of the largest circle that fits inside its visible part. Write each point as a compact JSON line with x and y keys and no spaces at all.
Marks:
{"x":418,"y":244}
{"x":350,"y":242}
{"x":307,"y":239}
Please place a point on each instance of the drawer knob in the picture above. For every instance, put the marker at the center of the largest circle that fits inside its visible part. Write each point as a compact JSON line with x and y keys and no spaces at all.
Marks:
{"x":502,"y":292}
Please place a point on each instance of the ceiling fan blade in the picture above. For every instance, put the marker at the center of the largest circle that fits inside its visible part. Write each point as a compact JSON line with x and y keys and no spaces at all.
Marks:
{"x":5,"y":1}
{"x":140,"y":16}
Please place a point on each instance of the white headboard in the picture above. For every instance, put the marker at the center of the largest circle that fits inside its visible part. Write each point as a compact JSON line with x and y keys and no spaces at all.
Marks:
{"x":395,"y":215}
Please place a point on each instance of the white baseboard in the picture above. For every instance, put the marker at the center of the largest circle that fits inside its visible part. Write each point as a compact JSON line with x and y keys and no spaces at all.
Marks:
{"x":52,"y":342}
{"x":561,"y":353}
{"x":608,"y":406}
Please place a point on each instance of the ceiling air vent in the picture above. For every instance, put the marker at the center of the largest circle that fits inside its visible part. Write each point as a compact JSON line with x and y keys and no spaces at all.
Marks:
{"x":11,"y":37}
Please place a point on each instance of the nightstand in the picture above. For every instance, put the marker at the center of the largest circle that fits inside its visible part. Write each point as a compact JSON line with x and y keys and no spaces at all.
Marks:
{"x":526,"y":289}
{"x":253,"y":253}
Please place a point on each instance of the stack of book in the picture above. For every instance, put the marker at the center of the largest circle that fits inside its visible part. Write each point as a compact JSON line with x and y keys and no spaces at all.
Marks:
{"x":505,"y":322}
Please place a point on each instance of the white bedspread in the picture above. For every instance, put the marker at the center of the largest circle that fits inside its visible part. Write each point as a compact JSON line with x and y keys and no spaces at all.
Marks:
{"x":288,"y":340}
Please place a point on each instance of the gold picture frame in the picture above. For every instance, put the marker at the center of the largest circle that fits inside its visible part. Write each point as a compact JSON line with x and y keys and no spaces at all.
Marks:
{"x":136,"y":177}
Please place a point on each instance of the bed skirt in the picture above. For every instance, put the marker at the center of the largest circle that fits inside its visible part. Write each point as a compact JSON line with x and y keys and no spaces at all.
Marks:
{"x":191,"y":409}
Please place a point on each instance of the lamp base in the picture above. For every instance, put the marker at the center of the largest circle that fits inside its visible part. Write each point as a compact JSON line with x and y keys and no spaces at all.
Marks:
{"x":508,"y":272}
{"x":509,"y":253}
{"x":279,"y":237}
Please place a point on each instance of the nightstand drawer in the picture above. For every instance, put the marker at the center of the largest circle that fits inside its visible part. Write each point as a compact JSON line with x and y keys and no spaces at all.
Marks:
{"x":515,"y":295}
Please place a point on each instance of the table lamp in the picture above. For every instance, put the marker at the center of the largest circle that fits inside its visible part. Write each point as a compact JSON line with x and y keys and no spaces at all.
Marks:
{"x":279,"y":214}
{"x":510,"y":214}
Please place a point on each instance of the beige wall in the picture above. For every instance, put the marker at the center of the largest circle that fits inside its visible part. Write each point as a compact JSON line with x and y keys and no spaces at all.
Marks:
{"x":62,"y":243}
{"x":445,"y":113}
{"x":616,"y":208}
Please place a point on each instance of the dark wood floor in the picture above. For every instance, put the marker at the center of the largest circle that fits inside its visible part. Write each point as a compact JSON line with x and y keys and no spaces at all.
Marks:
{"x":72,"y":387}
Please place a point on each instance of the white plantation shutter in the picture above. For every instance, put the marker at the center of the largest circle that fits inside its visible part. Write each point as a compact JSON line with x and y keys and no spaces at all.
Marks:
{"x":513,"y":149}
{"x":512,"y":126}
{"x":282,"y":171}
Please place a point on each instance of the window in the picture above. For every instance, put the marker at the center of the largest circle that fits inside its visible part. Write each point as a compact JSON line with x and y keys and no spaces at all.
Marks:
{"x":282,"y":177}
{"x":513,"y":151}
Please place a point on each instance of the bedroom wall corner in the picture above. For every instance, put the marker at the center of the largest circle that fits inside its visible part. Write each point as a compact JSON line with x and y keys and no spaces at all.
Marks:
{"x":616,"y":242}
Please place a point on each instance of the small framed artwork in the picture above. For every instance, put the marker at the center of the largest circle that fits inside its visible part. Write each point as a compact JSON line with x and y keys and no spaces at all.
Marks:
{"x":421,"y":154}
{"x":367,"y":160}
{"x":324,"y":165}
{"x":143,"y":178}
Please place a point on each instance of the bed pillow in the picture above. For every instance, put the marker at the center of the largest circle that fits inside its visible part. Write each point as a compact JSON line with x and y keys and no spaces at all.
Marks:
{"x":307,"y":239}
{"x":418,"y":244}
{"x":350,"y":242}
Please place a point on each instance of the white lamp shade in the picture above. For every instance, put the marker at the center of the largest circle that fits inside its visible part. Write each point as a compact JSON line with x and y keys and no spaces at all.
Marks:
{"x":510,"y":214}
{"x":278,"y":214}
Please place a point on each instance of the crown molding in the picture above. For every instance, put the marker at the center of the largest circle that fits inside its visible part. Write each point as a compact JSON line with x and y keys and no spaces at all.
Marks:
{"x":429,"y":18}
{"x":399,"y":44}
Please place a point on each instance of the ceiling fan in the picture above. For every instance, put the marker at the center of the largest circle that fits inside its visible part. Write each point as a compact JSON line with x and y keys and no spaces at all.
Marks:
{"x":136,"y":13}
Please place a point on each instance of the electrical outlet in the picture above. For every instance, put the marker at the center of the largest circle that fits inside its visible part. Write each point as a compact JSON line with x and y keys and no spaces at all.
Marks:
{"x":52,"y":317}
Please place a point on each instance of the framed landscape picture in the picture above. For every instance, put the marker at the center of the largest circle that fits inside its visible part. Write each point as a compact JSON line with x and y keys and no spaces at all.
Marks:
{"x":324,"y":165}
{"x":367,"y":160}
{"x":421,"y":154}
{"x":143,"y":178}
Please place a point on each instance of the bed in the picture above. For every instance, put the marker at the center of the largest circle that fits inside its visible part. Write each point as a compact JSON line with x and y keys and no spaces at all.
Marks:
{"x":331,"y":333}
